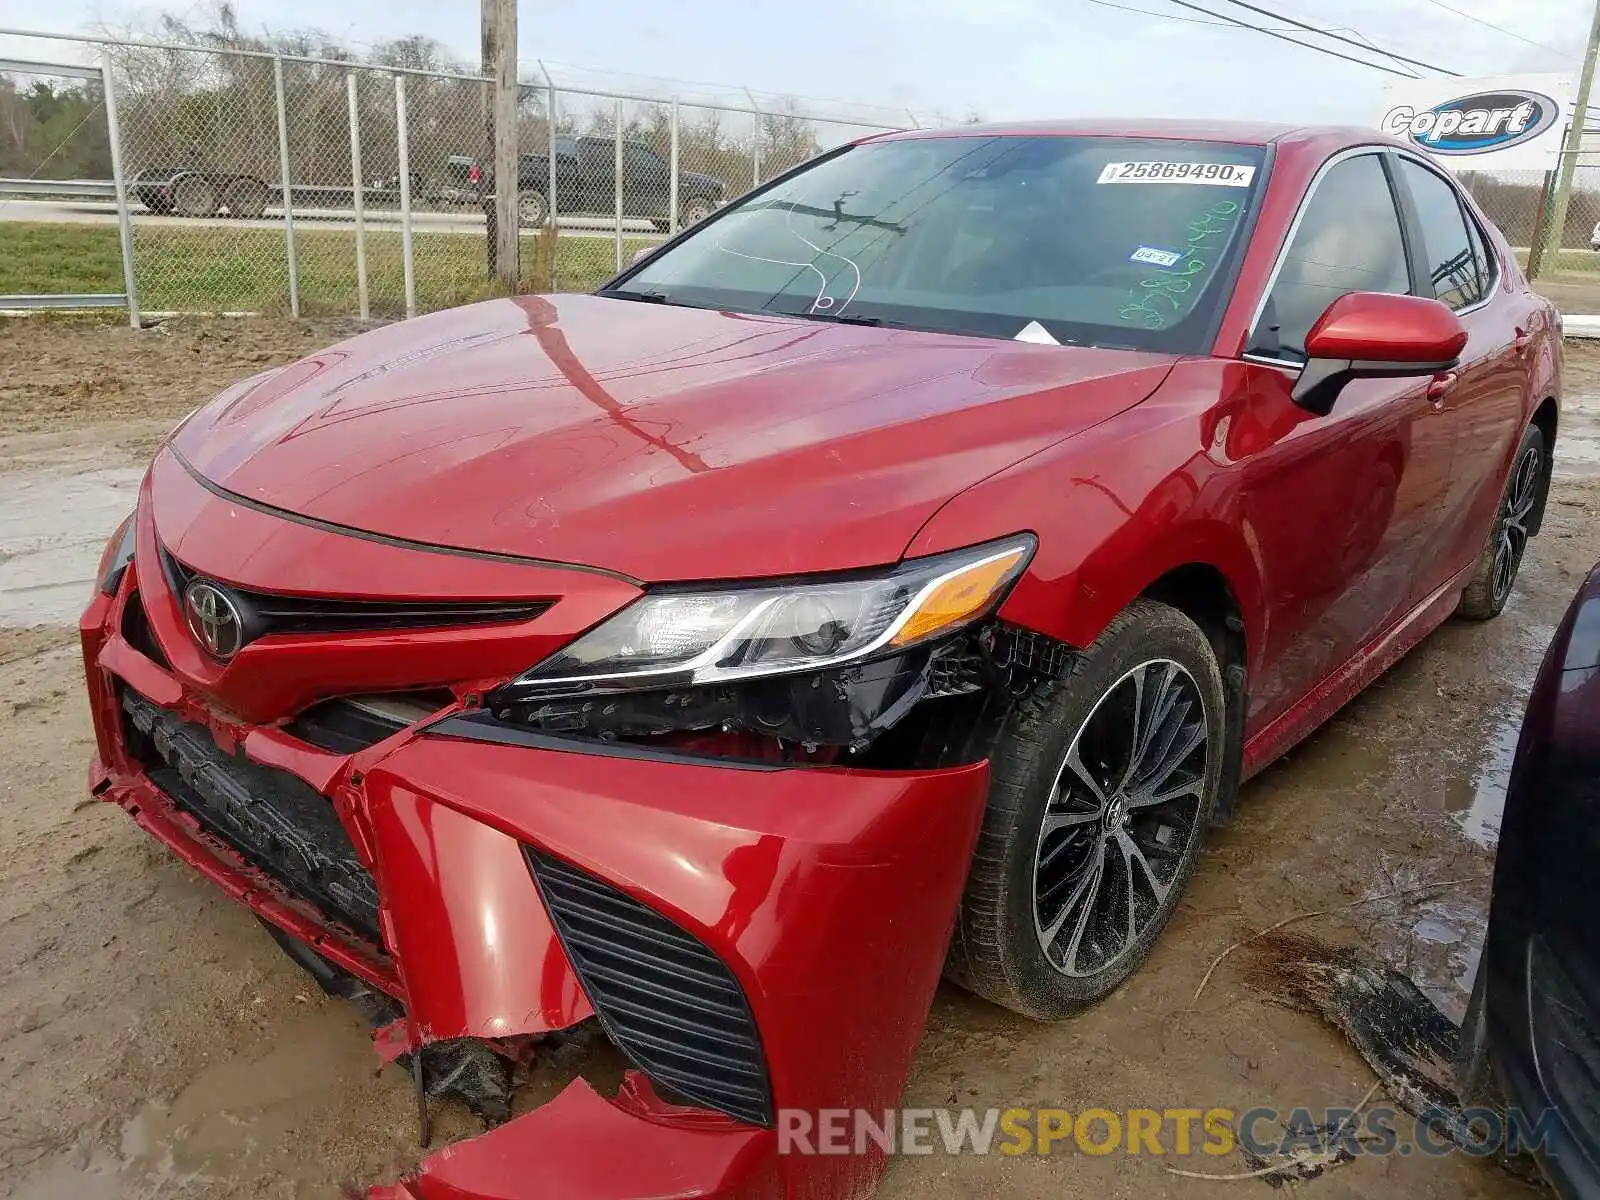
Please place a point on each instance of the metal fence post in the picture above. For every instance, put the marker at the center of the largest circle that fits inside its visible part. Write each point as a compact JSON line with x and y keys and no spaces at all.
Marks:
{"x":755,"y":142}
{"x":554,"y":174}
{"x":402,"y":138}
{"x":616,"y":143}
{"x":359,"y":194}
{"x":119,"y":182}
{"x":672,"y":186}
{"x":288,"y":191}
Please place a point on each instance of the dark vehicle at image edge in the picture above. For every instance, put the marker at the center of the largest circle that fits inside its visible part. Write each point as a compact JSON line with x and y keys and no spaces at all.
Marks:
{"x":1532,"y":1033}
{"x":887,"y":578}
{"x":585,"y":183}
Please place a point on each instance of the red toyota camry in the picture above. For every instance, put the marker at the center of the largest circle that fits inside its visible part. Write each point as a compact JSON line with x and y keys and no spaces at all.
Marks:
{"x":895,"y":574}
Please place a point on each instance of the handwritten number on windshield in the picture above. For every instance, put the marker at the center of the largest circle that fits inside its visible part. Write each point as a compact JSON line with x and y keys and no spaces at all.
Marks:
{"x":1158,"y":300}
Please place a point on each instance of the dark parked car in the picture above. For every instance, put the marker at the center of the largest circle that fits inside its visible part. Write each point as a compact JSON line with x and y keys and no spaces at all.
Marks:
{"x":585,"y":183}
{"x":896,"y":575}
{"x":1532,"y":1033}
{"x":187,"y":192}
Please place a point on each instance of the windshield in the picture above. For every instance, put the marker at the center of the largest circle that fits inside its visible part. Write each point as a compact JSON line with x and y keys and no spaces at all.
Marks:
{"x":1088,"y":240}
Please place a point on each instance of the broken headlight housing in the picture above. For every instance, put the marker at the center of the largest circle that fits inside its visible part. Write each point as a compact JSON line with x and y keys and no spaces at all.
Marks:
{"x":831,"y":660}
{"x":116,"y":558}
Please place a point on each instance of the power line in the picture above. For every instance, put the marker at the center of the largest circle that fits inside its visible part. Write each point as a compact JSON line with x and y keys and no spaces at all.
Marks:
{"x":1499,"y":28}
{"x":1339,"y":37}
{"x":1229,"y":23}
{"x":1145,"y":12}
{"x":1283,"y":37}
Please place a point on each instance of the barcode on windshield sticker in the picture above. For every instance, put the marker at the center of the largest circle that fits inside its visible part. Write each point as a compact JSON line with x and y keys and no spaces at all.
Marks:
{"x":1211,"y":174}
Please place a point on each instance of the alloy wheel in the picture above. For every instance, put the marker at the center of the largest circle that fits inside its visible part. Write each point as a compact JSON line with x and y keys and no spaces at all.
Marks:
{"x":1122,"y":815}
{"x":1521,"y":497}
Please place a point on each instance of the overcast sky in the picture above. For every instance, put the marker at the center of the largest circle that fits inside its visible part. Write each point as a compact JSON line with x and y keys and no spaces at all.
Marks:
{"x":1002,"y":58}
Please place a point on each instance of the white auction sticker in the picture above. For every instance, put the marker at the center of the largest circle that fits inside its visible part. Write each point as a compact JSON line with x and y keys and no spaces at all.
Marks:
{"x":1211,"y":174}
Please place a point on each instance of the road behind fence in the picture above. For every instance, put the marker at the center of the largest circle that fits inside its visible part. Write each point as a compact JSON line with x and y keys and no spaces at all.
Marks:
{"x":262,"y":182}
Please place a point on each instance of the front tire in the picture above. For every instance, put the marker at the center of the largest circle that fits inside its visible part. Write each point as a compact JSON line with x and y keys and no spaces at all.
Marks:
{"x":1102,"y":784}
{"x":1502,"y":555}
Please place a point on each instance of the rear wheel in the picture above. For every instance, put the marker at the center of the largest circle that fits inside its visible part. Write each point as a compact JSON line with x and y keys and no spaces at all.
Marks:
{"x":1502,"y":554}
{"x":533,"y":210}
{"x":693,"y":212}
{"x":193,"y":196}
{"x":246,"y":198}
{"x":1102,"y":785}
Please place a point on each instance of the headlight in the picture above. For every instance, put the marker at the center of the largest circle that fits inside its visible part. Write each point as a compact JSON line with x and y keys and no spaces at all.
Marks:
{"x":676,"y":637}
{"x":116,"y":557}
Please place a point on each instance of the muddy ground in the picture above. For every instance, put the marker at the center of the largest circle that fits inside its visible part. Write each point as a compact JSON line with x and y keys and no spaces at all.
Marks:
{"x":154,"y":1043}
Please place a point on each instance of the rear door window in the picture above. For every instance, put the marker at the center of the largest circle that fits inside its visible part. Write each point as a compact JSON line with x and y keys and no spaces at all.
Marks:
{"x":1453,"y":266}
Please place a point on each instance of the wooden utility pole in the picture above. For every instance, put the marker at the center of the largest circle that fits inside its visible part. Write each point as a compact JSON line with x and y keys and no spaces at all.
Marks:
{"x":500,"y":140}
{"x":1556,"y":227}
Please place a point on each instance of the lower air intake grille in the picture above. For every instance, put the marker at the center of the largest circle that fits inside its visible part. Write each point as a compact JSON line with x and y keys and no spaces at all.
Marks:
{"x":668,"y":1002}
{"x":272,"y":820}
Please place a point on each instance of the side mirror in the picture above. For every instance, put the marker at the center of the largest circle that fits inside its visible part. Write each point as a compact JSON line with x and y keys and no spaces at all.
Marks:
{"x":1371,"y":335}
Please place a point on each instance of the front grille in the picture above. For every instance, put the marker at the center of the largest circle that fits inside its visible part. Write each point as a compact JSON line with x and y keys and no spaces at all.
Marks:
{"x":275,"y":822}
{"x":270,"y":612}
{"x":668,"y":1002}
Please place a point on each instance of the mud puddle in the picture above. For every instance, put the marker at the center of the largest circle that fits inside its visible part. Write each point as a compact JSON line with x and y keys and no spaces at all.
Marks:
{"x":1578,"y":440}
{"x":225,"y":1123}
{"x":53,"y":526}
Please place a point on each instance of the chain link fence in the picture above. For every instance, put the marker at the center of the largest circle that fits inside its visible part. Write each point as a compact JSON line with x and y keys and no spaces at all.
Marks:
{"x":54,"y":128}
{"x":260,"y":182}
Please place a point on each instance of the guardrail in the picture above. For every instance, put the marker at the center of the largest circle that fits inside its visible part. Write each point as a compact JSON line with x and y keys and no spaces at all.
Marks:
{"x":60,"y":189}
{"x":310,"y":194}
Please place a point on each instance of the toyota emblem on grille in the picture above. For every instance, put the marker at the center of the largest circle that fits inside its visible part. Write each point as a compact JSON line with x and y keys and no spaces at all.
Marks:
{"x":213,"y":619}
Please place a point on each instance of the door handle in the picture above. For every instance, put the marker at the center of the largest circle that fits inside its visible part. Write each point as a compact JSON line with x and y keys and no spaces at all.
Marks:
{"x":1440,"y":386}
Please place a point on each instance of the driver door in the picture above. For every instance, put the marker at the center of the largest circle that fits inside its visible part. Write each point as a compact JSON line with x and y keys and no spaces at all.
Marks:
{"x":1341,"y":506}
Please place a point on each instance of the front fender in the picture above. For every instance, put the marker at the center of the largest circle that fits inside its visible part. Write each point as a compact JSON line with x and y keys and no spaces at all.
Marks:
{"x":1118,"y":507}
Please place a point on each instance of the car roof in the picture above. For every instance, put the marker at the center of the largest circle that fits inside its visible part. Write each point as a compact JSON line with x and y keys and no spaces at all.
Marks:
{"x":1258,"y":133}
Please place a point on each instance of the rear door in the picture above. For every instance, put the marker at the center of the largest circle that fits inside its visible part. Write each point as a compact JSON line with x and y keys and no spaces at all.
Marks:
{"x":646,"y":182}
{"x":1482,"y":406}
{"x":1341,"y":505}
{"x":597,"y":173}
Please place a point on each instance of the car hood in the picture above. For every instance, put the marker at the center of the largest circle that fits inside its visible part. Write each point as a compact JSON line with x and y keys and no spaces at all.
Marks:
{"x":655,"y":441}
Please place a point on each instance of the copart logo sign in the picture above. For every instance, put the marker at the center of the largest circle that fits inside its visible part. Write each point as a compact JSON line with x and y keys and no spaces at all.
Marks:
{"x":1477,"y":124}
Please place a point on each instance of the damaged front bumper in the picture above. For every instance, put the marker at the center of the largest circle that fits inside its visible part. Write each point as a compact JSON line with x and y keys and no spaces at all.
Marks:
{"x":754,"y":937}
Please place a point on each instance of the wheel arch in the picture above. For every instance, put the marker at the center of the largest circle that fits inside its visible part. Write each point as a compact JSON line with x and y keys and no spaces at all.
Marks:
{"x":1202,"y":592}
{"x":1546,"y":417}
{"x":1205,"y":569}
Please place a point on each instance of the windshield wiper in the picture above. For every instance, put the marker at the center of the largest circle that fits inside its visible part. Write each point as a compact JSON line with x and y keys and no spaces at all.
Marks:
{"x":836,"y":318}
{"x":641,"y":297}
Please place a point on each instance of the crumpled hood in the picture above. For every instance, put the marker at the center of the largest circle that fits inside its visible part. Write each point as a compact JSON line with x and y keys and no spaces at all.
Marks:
{"x":660,"y":442}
